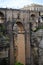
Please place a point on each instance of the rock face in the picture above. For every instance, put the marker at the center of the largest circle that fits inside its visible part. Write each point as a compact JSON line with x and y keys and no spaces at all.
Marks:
{"x":41,"y":52}
{"x":39,"y":35}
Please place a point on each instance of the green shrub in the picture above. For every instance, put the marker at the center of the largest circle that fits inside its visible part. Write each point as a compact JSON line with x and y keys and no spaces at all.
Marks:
{"x":18,"y":63}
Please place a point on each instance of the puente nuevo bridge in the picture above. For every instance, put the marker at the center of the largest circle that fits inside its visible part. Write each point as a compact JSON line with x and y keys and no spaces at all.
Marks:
{"x":18,"y":24}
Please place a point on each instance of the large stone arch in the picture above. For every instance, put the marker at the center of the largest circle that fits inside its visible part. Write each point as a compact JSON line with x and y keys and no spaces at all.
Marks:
{"x":1,"y":17}
{"x":20,"y":43}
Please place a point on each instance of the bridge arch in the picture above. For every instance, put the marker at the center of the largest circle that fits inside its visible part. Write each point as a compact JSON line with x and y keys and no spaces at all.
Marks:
{"x":19,"y":40}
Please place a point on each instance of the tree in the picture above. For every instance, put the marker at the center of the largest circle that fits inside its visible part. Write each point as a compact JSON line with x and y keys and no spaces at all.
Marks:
{"x":4,"y":40}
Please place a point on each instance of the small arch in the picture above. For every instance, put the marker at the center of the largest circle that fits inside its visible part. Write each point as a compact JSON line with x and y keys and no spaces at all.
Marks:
{"x":1,"y":14}
{"x":1,"y":17}
{"x":32,"y":15}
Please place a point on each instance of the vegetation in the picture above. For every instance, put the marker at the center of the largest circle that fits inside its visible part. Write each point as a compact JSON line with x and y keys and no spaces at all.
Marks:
{"x":4,"y":38}
{"x":18,"y":63}
{"x":41,"y":27}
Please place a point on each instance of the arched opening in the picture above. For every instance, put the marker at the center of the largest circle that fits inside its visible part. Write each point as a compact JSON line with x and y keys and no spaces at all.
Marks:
{"x":1,"y":17}
{"x":34,"y":23}
{"x":33,"y":16}
{"x":19,"y":40}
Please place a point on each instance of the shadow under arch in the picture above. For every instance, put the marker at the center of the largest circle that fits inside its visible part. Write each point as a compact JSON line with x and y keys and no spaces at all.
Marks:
{"x":32,"y":15}
{"x":20,"y":26}
{"x":1,"y":17}
{"x":1,"y":14}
